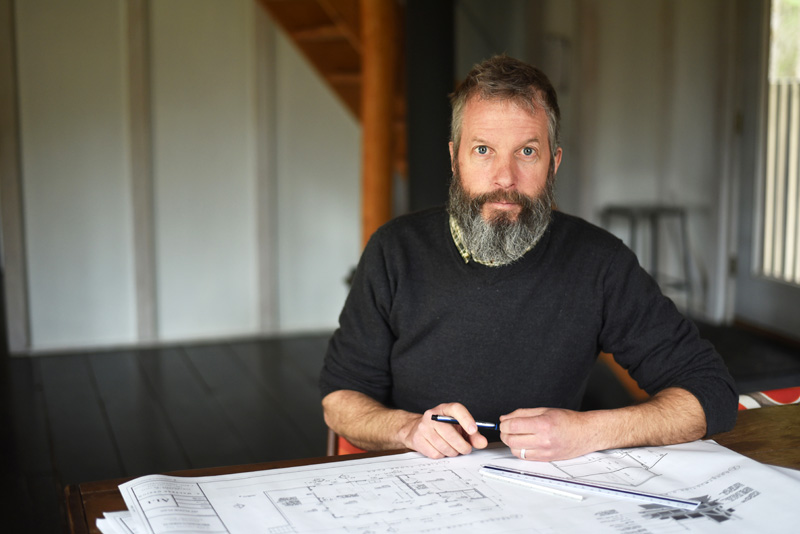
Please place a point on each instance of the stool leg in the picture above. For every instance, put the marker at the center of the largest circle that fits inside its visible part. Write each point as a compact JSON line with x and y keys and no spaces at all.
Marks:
{"x":654,"y":247}
{"x":686,"y":261}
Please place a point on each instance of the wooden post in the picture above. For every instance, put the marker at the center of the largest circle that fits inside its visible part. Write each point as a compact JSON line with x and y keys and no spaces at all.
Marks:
{"x":379,"y":77}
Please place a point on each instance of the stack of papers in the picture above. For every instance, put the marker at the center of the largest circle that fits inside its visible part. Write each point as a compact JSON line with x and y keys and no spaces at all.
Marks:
{"x":713,"y":488}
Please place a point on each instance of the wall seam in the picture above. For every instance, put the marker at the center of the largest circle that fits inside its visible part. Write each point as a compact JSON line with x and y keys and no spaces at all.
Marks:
{"x":13,"y":255}
{"x":142,"y":179}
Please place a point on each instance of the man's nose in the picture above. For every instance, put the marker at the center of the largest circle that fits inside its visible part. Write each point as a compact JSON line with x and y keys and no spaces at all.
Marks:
{"x":505,"y":175}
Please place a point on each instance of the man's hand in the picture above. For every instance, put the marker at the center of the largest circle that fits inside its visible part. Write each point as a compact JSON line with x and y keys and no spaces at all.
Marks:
{"x":671,"y":416}
{"x":546,"y":434}
{"x":437,"y":440}
{"x":370,"y":425}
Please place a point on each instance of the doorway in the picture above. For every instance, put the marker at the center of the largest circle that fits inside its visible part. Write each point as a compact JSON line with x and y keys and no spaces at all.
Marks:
{"x":767,"y":280}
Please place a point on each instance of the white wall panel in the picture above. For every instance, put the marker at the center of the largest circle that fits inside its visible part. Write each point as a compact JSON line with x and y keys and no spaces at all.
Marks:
{"x":73,"y":130}
{"x":695,"y":176}
{"x":204,"y":157}
{"x":318,"y":195}
{"x":630,"y":103}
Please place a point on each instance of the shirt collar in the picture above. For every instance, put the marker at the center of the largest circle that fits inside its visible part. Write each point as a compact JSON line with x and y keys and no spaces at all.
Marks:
{"x":455,"y":231}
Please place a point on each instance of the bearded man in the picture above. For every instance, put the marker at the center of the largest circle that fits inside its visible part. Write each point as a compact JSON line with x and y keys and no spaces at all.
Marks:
{"x":496,"y":308}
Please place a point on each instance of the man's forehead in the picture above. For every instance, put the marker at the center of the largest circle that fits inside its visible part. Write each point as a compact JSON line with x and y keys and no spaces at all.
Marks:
{"x":530,"y":107}
{"x":502,"y":114}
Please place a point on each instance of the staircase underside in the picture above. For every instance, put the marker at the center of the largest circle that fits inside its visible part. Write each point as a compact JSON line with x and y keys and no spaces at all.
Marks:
{"x":328,"y":33}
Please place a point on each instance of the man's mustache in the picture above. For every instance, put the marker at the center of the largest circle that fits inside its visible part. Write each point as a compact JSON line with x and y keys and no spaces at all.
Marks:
{"x":508,"y":197}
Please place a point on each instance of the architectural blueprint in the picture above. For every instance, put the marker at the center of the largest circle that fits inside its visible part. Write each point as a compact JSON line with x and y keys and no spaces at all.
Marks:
{"x":409,"y":493}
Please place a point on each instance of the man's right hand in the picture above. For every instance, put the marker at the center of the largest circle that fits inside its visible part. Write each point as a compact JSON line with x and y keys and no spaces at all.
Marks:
{"x":436,"y":439}
{"x":370,"y":425}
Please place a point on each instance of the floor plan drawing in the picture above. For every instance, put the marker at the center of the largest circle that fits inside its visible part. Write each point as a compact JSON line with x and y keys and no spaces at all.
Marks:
{"x":354,"y":499}
{"x":408,"y":493}
{"x":627,"y":467}
{"x":410,"y":497}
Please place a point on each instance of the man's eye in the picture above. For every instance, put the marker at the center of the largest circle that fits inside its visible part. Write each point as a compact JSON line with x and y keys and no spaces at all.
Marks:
{"x":482,"y":150}
{"x":527,"y":151}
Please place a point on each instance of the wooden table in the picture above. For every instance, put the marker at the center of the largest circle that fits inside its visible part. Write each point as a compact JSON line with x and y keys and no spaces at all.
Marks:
{"x":770,"y":435}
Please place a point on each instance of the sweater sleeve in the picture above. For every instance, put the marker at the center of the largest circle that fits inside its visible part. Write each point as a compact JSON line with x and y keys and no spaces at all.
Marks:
{"x":359,"y":351}
{"x":659,"y":347}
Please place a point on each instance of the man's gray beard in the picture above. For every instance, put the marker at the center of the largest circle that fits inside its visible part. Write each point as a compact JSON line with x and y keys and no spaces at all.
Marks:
{"x":502,"y":239}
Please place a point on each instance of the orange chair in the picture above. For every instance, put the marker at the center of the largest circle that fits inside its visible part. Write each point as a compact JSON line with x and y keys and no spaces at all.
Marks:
{"x":630,"y":385}
{"x":337,"y":445}
{"x":772,"y":397}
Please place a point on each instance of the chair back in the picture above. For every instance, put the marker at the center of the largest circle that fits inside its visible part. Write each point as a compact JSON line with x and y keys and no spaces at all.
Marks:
{"x":338,"y":446}
{"x":772,"y":397}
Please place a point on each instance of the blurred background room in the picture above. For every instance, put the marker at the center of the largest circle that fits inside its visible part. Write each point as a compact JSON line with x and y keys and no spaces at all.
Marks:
{"x":186,"y":186}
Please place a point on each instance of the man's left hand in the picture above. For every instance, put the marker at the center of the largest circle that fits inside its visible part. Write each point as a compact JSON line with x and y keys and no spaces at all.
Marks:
{"x":546,"y":434}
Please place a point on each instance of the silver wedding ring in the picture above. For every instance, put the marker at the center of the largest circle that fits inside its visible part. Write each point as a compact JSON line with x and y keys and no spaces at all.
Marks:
{"x":522,"y":454}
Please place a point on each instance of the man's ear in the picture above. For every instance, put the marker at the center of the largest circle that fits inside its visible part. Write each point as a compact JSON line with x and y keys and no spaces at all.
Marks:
{"x":452,"y":157}
{"x":557,"y":161}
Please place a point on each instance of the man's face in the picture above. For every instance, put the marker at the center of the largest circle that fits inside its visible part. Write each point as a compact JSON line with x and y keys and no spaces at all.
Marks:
{"x":504,"y":151}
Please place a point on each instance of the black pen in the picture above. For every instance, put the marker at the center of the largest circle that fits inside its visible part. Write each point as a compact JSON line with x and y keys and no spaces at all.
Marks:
{"x":453,"y":421}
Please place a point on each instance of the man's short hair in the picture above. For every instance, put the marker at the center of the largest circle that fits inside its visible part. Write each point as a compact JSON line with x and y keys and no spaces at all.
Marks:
{"x":505,"y":78}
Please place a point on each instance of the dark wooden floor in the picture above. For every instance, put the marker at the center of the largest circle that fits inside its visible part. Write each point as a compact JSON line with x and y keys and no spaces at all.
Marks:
{"x":757,"y":361}
{"x":81,"y":417}
{"x":91,"y":416}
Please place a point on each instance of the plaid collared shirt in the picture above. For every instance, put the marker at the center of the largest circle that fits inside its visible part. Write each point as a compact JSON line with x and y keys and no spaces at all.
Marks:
{"x":455,"y":231}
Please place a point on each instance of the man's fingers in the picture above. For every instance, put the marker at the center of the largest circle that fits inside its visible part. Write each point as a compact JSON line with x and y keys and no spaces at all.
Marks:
{"x":450,"y":445}
{"x":535,"y":421}
{"x":519,"y":425}
{"x":437,"y":439}
{"x":459,"y":412}
{"x":452,"y":440}
{"x":478,"y":440}
{"x":532,"y":454}
{"x":523,"y":412}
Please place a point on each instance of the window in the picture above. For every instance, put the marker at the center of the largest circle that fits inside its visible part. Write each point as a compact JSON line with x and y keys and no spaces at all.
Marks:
{"x":781,"y":208}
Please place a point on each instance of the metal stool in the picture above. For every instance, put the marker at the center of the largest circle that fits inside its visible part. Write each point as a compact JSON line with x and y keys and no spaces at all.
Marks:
{"x":653,"y":215}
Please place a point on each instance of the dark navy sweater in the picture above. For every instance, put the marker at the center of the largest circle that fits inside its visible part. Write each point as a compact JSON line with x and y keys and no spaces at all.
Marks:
{"x":421,"y":326}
